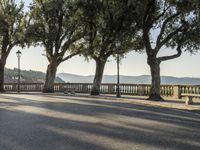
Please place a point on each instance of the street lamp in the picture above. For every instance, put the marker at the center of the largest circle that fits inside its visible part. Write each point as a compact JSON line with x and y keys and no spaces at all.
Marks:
{"x":118,"y":89}
{"x":18,"y":53}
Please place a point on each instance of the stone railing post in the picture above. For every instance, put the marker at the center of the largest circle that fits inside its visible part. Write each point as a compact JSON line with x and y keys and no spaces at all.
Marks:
{"x":85,"y":88}
{"x":111,"y":89}
{"x":14,"y":87}
{"x":140,"y":90}
{"x":176,"y":92}
{"x":60,"y":88}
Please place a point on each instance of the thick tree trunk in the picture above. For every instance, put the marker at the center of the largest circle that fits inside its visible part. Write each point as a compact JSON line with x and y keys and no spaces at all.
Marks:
{"x":155,"y":82}
{"x":98,"y":77}
{"x":2,"y":67}
{"x":50,"y":78}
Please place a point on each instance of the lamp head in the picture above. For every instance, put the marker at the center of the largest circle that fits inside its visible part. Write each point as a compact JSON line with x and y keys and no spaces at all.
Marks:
{"x":18,"y":53}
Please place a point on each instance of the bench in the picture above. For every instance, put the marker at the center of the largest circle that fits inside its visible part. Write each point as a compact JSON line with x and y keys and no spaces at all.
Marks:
{"x":69,"y":91}
{"x":189,"y":97}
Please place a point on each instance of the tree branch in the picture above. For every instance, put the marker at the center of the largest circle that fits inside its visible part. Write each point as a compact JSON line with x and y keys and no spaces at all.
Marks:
{"x":159,"y":44}
{"x":70,"y":56}
{"x":66,"y":34}
{"x":5,"y":42}
{"x":165,"y":58}
{"x":162,"y":14}
{"x":108,"y":54}
{"x":147,"y":24}
{"x":169,"y":36}
{"x":70,"y":41}
{"x":146,"y":41}
{"x":48,"y":55}
{"x":147,"y":17}
{"x":58,"y":37}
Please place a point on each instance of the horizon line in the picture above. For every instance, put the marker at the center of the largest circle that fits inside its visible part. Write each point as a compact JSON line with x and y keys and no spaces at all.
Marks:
{"x":106,"y":74}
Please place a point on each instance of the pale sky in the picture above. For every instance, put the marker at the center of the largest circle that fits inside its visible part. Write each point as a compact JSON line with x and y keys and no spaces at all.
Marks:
{"x":134,"y":64}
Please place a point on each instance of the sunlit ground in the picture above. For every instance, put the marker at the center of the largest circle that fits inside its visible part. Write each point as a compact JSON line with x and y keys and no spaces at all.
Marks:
{"x":50,"y":122}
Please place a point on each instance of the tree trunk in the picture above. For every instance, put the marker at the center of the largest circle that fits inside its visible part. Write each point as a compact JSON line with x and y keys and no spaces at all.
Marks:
{"x":155,"y":82}
{"x":50,"y":78}
{"x":98,"y":77}
{"x":2,"y":67}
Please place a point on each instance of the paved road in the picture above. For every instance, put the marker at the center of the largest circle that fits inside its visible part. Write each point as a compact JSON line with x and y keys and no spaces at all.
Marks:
{"x":42,"y":122}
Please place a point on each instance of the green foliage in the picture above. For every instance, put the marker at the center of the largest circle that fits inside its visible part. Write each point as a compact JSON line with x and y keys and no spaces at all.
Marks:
{"x":12,"y":26}
{"x":110,"y":29}
{"x":176,"y":21}
{"x":56,"y":25}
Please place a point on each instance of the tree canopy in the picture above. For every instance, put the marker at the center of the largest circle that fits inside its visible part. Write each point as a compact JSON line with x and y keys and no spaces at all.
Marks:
{"x":57,"y":26}
{"x":110,"y":31}
{"x":13,"y":25}
{"x":176,"y":23}
{"x":99,"y":29}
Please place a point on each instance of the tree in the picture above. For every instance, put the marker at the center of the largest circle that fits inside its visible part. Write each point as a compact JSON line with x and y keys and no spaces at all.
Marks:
{"x":109,"y":33}
{"x":57,"y":26}
{"x":175,"y":23}
{"x":12,"y":28}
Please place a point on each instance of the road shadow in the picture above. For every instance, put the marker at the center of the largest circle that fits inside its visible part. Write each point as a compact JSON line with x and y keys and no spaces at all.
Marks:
{"x":59,"y":122}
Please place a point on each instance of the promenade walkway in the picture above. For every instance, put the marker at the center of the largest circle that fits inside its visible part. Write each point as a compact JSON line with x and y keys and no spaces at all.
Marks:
{"x":59,"y":122}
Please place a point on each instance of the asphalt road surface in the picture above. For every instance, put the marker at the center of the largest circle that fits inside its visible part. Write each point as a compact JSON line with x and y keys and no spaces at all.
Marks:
{"x":47,"y":122}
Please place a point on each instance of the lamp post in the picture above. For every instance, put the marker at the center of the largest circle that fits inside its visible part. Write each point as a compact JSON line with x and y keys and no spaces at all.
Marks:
{"x":18,"y":53}
{"x":118,"y":88}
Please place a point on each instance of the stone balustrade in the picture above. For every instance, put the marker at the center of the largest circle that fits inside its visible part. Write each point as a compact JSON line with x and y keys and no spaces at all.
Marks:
{"x":173,"y":91}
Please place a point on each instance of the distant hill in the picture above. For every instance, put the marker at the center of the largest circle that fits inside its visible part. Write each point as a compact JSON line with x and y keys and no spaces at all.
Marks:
{"x":143,"y":79}
{"x":67,"y":77}
{"x":28,"y":76}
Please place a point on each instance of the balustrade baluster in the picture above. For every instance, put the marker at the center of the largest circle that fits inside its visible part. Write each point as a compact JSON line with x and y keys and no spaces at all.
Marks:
{"x":132,"y":89}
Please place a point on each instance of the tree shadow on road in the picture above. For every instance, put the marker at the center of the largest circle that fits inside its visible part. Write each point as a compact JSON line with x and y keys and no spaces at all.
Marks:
{"x":93,"y":124}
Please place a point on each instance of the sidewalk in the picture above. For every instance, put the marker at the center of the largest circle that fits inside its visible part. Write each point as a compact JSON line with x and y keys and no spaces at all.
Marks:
{"x":141,"y":100}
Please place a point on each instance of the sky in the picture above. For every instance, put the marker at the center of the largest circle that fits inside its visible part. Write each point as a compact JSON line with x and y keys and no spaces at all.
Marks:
{"x":134,"y":64}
